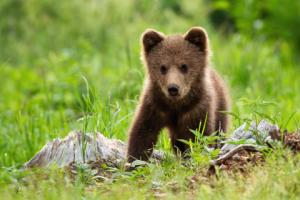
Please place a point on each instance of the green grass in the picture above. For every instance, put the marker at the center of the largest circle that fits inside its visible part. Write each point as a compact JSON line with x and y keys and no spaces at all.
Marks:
{"x":77,"y":66}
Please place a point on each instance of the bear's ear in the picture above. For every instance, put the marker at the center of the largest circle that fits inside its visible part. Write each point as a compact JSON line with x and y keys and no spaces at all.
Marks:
{"x":150,"y":39}
{"x":198,"y":37}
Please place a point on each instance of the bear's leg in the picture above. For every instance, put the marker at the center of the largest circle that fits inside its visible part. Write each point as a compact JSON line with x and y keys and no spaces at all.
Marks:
{"x":179,"y":147}
{"x":178,"y":134}
{"x":140,"y":146}
{"x":143,"y":134}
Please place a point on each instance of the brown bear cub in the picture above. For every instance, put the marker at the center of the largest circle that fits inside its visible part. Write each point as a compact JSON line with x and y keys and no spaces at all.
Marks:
{"x":181,"y":91}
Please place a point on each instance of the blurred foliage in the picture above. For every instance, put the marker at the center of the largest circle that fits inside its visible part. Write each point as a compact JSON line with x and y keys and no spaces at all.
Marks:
{"x":268,"y":19}
{"x":45,"y":25}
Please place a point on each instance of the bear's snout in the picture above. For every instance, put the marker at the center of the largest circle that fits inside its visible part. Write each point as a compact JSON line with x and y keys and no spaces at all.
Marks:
{"x":173,"y":90}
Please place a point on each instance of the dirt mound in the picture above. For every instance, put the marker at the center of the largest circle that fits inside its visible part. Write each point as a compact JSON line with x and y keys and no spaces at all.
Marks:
{"x":292,"y":140}
{"x":242,"y":158}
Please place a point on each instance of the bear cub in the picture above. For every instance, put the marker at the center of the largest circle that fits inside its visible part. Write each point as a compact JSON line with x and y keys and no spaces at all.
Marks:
{"x":181,"y":91}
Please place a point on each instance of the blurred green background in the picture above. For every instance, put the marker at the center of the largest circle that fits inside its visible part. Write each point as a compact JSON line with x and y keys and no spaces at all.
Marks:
{"x":68,"y":65}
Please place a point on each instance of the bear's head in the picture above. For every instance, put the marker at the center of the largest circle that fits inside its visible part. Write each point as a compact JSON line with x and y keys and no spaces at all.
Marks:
{"x":176,"y":62}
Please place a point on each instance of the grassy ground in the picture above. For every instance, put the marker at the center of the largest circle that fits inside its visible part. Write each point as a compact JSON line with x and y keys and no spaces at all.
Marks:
{"x":66,"y":67}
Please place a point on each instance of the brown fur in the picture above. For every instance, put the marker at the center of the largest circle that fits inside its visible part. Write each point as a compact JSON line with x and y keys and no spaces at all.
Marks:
{"x":202,"y":93}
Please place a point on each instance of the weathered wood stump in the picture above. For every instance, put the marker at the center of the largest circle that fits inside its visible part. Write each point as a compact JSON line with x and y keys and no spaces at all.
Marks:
{"x":77,"y":147}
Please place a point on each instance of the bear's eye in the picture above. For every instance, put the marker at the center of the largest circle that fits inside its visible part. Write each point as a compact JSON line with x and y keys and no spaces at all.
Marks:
{"x":184,"y":68}
{"x":163,"y":69}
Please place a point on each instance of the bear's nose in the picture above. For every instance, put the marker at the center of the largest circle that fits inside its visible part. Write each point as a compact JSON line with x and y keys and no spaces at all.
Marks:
{"x":173,"y":90}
